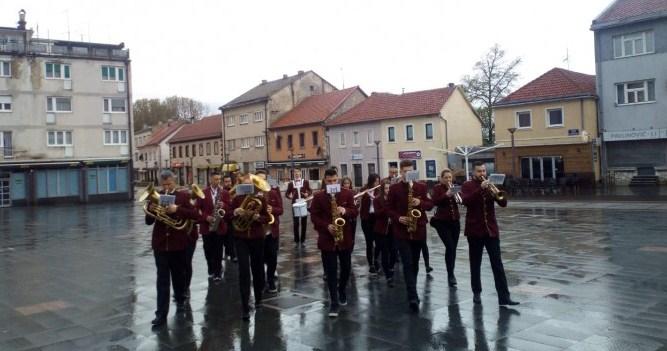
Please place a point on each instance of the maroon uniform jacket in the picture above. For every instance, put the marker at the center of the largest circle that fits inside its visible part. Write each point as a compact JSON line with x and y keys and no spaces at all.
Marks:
{"x":276,"y":203}
{"x":381,"y":216}
{"x":166,"y":238}
{"x":256,"y":230}
{"x":397,"y":206}
{"x":481,"y":214}
{"x":293,"y":193}
{"x":206,"y":207}
{"x":320,"y":215}
{"x":447,"y":209}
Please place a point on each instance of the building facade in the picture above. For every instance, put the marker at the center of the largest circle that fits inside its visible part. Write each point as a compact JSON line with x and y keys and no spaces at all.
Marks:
{"x":140,"y":138}
{"x":299,"y":136}
{"x":386,"y":128}
{"x":65,"y":121}
{"x":247,"y":117}
{"x":631,"y":56}
{"x":196,"y":150}
{"x":554,"y":122}
{"x":154,"y":154}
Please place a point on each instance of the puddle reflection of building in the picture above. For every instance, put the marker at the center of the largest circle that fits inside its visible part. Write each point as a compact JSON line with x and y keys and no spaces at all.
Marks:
{"x":502,"y":328}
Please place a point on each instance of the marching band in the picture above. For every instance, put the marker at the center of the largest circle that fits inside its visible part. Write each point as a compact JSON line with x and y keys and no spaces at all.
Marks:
{"x":240,"y":215}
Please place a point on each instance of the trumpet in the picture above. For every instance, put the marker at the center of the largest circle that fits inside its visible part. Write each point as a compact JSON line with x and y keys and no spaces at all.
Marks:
{"x":493,"y":189}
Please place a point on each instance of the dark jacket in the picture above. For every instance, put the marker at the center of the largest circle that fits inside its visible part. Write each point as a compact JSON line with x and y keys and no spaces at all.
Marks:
{"x":398,"y":207}
{"x":320,"y":215}
{"x":381,"y":216}
{"x":293,"y":193}
{"x":276,"y":203}
{"x":481,"y":213}
{"x":256,"y":229}
{"x":206,"y":207}
{"x":165,"y":238}
{"x":447,"y":209}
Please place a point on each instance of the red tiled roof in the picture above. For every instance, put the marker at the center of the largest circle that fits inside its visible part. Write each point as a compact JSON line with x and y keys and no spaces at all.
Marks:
{"x":556,"y":84}
{"x":314,"y":109}
{"x":160,"y":134}
{"x":206,"y":128}
{"x":381,"y":106}
{"x":627,"y":10}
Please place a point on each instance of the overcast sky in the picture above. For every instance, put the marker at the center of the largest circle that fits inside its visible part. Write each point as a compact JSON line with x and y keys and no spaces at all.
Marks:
{"x":215,"y":50}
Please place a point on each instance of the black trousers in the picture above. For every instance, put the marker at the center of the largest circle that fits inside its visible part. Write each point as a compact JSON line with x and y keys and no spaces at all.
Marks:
{"x":190,"y":252}
{"x":271,"y":246}
{"x":300,"y":223}
{"x":410,"y":251}
{"x":372,"y":251}
{"x":213,"y":253}
{"x":330,"y":260}
{"x":449,"y":232}
{"x":425,"y":254}
{"x":385,"y":246}
{"x":251,"y":258}
{"x":171,"y":266}
{"x":228,"y":242}
{"x":476,"y":249}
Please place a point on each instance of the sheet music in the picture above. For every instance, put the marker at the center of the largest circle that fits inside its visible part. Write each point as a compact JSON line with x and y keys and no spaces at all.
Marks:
{"x":166,"y":200}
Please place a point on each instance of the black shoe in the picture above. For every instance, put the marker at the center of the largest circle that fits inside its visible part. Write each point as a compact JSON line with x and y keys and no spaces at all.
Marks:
{"x":508,"y":302}
{"x":333,"y":311}
{"x":342,"y":298}
{"x":414,"y":306}
{"x":159,"y":320}
{"x":477,"y":299}
{"x":429,"y":269}
{"x":372,"y":271}
{"x":272,"y":288}
{"x":390,"y":282}
{"x":217,"y":279}
{"x":452,"y":281}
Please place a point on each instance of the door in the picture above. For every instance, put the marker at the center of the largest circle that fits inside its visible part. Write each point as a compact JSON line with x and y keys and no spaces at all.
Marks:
{"x":358,"y":177}
{"x":5,"y":201}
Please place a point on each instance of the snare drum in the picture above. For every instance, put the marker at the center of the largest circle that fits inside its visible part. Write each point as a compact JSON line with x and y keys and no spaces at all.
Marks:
{"x":299,"y":208}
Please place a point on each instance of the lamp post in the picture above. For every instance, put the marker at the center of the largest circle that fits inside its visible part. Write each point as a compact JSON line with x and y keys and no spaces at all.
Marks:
{"x":512,"y":130}
{"x":377,"y":155}
{"x":291,"y":156}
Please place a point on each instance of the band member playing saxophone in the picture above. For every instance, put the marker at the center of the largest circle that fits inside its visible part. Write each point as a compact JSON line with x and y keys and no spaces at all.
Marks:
{"x":446,"y":221}
{"x":482,"y":232}
{"x":214,"y":208}
{"x":271,"y":240}
{"x":169,"y":242}
{"x":407,"y":205}
{"x":331,"y":212}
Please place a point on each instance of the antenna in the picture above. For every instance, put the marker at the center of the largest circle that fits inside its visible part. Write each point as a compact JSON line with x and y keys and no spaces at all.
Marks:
{"x":68,"y":32}
{"x":567,"y":57}
{"x":342,"y":76}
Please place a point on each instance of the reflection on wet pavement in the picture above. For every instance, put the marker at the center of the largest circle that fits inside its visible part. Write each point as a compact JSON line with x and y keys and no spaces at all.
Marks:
{"x":590,"y":277}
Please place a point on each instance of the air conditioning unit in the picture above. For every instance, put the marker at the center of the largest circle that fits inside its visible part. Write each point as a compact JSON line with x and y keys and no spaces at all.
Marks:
{"x":50,"y":118}
{"x":67,"y":84}
{"x":106,"y":118}
{"x":121,"y":87}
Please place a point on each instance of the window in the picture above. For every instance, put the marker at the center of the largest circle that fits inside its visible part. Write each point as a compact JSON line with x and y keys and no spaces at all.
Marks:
{"x":547,"y":167}
{"x":315,"y":138}
{"x":231,"y":145}
{"x":259,"y":141}
{"x":289,"y":141}
{"x":112,"y":73}
{"x":555,"y":117}
{"x":409,"y":132}
{"x":116,"y":105}
{"x":58,"y":104}
{"x":243,"y":119}
{"x":173,"y":152}
{"x":635,"y":92}
{"x":216,"y":148}
{"x":633,"y":44}
{"x":430,"y":169}
{"x":194,"y":151}
{"x":523,"y":119}
{"x":259,"y":116}
{"x":279,"y":142}
{"x":5,"y":69}
{"x":302,"y":140}
{"x":59,"y":138}
{"x":371,"y":168}
{"x":230,"y":121}
{"x":180,"y":151}
{"x":391,"y":134}
{"x":5,"y":103}
{"x":201,"y":149}
{"x":115,"y":137}
{"x":6,"y":144}
{"x":208,"y":149}
{"x":341,"y":141}
{"x":57,"y":71}
{"x":355,"y":138}
{"x":343,"y":170}
{"x":428,"y":131}
{"x":392,"y":164}
{"x":187,"y":150}
{"x":370,"y":137}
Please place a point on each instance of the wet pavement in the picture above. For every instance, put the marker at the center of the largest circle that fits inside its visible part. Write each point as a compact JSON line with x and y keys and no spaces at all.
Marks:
{"x":590,"y":276}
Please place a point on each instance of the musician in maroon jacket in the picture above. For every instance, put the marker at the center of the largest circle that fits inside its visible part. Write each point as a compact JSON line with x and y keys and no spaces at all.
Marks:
{"x":294,"y":194}
{"x":446,"y":221}
{"x":367,"y":215}
{"x":334,"y":252}
{"x":250,"y":247}
{"x":383,"y":237}
{"x":482,"y":232}
{"x":169,"y":248}
{"x":271,"y":239}
{"x":409,"y":244}
{"x":228,"y":239}
{"x":214,"y":196}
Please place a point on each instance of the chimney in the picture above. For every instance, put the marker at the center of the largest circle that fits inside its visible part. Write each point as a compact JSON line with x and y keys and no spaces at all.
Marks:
{"x":264,"y":81}
{"x":284,"y":76}
{"x":300,"y":72}
{"x":21,"y":22}
{"x":451,"y":85}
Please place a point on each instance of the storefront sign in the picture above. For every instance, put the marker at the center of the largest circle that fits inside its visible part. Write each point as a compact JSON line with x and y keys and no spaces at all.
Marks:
{"x":410,"y":155}
{"x":635,"y":135}
{"x":357,"y":156}
{"x":296,"y":156}
{"x":260,"y":165}
{"x":572,"y":132}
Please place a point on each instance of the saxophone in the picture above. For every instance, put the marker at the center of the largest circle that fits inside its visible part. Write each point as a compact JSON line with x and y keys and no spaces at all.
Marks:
{"x":218,"y":212}
{"x":413,"y":213}
{"x":337,"y":221}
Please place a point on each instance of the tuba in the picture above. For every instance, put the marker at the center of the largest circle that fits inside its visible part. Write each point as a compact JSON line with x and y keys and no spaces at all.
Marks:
{"x":252,"y":205}
{"x":151,"y":196}
{"x":413,"y":213}
{"x":337,"y":221}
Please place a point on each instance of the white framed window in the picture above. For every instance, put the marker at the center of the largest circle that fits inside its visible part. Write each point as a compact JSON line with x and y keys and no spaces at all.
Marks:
{"x":428,"y":131}
{"x":5,"y":69}
{"x":341,"y":139}
{"x":391,"y":134}
{"x":115,"y":105}
{"x":355,"y":138}
{"x":370,"y":137}
{"x":633,"y":44}
{"x":430,"y":166}
{"x":115,"y":137}
{"x":523,"y":120}
{"x":58,"y":104}
{"x":635,"y":92}
{"x":259,"y":116}
{"x":554,"y":117}
{"x":231,"y":145}
{"x":409,"y":132}
{"x":259,"y":141}
{"x":343,"y":169}
{"x":59,"y":138}
{"x":243,"y":119}
{"x":113,"y":73}
{"x":230,"y":121}
{"x":56,"y":70}
{"x":5,"y":103}
{"x":245,"y":143}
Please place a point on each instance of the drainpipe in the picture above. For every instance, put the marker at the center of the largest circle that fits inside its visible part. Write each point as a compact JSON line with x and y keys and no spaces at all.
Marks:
{"x":223,"y":147}
{"x":266,"y":133}
{"x":128,"y":88}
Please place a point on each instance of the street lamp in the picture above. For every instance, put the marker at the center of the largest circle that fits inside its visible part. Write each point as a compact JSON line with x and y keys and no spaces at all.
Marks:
{"x":291,"y":156}
{"x":512,"y":130}
{"x":377,"y":155}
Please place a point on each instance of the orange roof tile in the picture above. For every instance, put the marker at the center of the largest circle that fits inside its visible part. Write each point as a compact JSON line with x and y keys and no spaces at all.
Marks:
{"x":314,"y":109}
{"x":206,"y":128}
{"x":555,"y":84}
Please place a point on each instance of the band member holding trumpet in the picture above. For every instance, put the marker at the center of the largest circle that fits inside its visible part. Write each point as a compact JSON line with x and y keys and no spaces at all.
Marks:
{"x":446,"y":221}
{"x":480,"y":196}
{"x":407,"y":203}
{"x":298,"y":190}
{"x":331,"y":212}
{"x":250,"y":217}
{"x":214,"y":209}
{"x":272,"y":236}
{"x":171,"y":225}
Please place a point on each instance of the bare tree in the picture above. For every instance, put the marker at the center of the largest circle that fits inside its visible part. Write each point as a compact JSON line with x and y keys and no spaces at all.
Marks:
{"x":149,"y":112}
{"x":492,"y":79}
{"x":186,"y":108}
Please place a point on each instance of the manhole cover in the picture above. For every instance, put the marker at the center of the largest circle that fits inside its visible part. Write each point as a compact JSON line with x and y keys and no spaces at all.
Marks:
{"x":287,"y":301}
